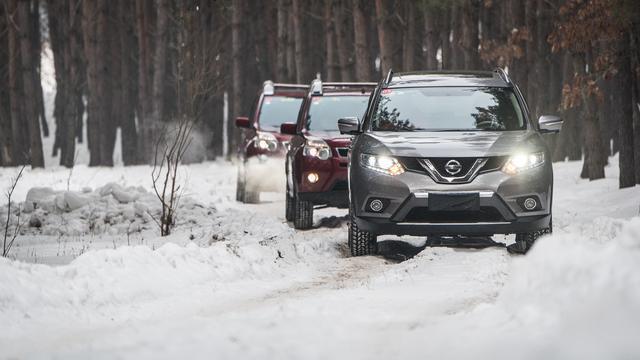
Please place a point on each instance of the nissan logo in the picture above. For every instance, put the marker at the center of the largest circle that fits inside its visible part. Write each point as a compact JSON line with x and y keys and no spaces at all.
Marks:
{"x":452,"y":167}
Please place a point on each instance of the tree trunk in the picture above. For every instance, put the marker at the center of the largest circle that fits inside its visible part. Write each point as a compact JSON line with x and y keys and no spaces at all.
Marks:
{"x":623,"y":95}
{"x":58,"y":24}
{"x":445,"y":33}
{"x":386,"y":53}
{"x":409,"y":38}
{"x":362,"y":51}
{"x":6,"y":151}
{"x":531,"y":55}
{"x":28,"y":81}
{"x":291,"y":48}
{"x":516,"y":22}
{"x":283,"y":24}
{"x":569,"y":144}
{"x":127,"y":82}
{"x":330,"y":45}
{"x":342,"y":41}
{"x":89,"y":11}
{"x":635,"y":64}
{"x":236,"y":67}
{"x":159,"y":67}
{"x":298,"y":44}
{"x":457,"y":53}
{"x":34,"y":17}
{"x":593,"y":167}
{"x":18,"y":131}
{"x":433,"y":37}
{"x":470,"y":40}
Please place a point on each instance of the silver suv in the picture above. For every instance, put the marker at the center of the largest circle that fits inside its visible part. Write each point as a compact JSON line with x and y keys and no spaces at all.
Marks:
{"x":448,"y":154}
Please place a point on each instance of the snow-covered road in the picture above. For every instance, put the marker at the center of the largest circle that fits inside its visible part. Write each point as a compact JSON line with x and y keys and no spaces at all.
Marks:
{"x":235,"y":281}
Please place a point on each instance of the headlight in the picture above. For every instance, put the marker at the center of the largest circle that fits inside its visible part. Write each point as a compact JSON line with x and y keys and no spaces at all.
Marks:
{"x":265,"y":141}
{"x":383,"y":164}
{"x":317,"y":148}
{"x":521,"y":162}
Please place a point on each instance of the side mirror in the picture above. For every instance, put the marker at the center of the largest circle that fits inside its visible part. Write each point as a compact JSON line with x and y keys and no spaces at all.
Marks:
{"x":349,"y":125}
{"x":289,"y":128}
{"x":550,"y":124}
{"x":243,"y":122}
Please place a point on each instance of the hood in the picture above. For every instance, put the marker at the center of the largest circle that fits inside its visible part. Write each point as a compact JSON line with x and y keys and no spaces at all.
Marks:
{"x":333,"y":138}
{"x":458,"y":144}
{"x":326,"y":134}
{"x":278,"y":135}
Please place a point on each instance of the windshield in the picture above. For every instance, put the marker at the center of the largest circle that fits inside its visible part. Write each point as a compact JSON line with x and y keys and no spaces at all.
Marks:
{"x":448,"y":109}
{"x":276,"y":110}
{"x":325,"y":111}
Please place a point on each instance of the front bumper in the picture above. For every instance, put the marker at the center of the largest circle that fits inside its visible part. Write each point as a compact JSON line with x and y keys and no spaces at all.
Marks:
{"x":334,"y":198}
{"x":414,"y":218}
{"x":332,"y":185}
{"x":407,"y":210}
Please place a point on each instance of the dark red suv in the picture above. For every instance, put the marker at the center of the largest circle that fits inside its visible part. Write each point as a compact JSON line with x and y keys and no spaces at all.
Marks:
{"x":262,"y":148}
{"x":316,"y":164}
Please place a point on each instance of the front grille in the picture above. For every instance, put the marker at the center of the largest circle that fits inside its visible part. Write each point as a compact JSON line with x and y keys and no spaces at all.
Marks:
{"x":439,"y":164}
{"x":343,"y":151}
{"x":493,"y":163}
{"x":424,"y":215}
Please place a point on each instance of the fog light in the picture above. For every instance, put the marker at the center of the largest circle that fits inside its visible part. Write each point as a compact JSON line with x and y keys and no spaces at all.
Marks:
{"x":376,"y":205}
{"x":530,"y":203}
{"x":313,"y":177}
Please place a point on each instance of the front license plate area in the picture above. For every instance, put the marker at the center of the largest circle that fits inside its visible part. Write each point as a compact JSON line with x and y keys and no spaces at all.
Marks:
{"x":454,"y":202}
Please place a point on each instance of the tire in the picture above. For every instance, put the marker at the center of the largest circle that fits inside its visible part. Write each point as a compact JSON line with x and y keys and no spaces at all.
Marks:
{"x":524,"y":241}
{"x":361,"y":242}
{"x":242,"y":194}
{"x":302,"y":214}
{"x":289,"y":205}
{"x":251,"y":197}
{"x":240,"y":185}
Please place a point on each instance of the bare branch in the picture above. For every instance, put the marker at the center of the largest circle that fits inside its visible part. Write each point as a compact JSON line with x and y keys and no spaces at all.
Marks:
{"x":6,"y":246}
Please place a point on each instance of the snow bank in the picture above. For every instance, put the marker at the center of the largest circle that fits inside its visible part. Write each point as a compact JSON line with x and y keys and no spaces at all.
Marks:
{"x":583,"y":288}
{"x":99,"y":283}
{"x":112,"y":209}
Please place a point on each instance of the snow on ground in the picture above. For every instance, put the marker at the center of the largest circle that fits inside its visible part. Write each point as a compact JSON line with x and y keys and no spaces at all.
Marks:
{"x":235,"y":281}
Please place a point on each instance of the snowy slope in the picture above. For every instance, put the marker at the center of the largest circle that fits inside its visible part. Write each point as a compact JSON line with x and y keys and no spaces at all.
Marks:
{"x":235,"y":281}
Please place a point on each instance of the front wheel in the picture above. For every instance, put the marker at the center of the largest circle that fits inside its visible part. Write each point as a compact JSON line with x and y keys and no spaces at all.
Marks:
{"x":243,"y":193}
{"x":290,"y":207}
{"x":302,"y":213}
{"x":524,"y":241}
{"x":360,"y":242}
{"x":240,"y":184}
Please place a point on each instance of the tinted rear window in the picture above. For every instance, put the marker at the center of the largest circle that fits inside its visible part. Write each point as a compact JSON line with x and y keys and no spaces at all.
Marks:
{"x":325,"y":111}
{"x":276,"y":110}
{"x":448,"y":109}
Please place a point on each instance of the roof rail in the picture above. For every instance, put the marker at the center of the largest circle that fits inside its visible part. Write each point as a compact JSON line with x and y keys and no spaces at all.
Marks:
{"x":293,"y":86}
{"x":503,"y":75}
{"x":349,"y":84}
{"x":269,"y":87}
{"x":387,"y":80}
{"x":317,"y":86}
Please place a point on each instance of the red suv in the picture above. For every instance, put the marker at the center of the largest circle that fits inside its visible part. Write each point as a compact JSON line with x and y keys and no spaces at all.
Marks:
{"x":263,"y":147}
{"x":316,"y":163}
